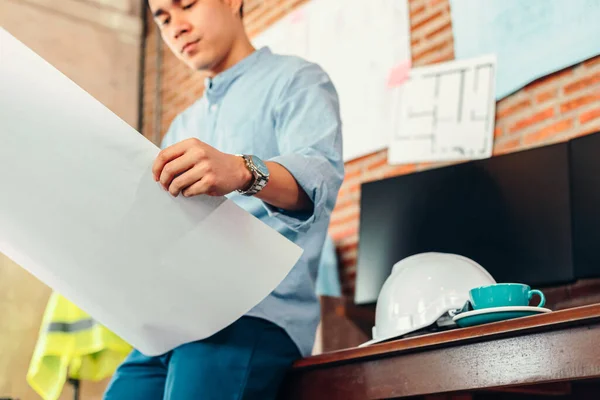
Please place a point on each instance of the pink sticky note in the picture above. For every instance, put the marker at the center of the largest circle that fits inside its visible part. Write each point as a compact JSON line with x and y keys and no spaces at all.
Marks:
{"x":399,"y":74}
{"x":297,"y":17}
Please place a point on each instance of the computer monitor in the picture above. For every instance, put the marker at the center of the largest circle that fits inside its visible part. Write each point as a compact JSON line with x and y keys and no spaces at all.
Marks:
{"x":585,"y":204}
{"x":510,"y":213}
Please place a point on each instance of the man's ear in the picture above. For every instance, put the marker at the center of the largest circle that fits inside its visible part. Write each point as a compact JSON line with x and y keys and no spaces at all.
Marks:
{"x":236,"y":6}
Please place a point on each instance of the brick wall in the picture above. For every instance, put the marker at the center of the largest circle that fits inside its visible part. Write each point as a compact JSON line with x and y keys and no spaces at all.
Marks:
{"x":554,"y":108}
{"x":96,"y":43}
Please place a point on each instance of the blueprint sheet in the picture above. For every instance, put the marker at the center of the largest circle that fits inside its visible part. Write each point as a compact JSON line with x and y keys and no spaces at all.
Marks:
{"x":80,"y":210}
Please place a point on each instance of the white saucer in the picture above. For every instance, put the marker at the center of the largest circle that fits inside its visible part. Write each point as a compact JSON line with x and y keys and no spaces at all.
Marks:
{"x":539,"y":310}
{"x":521,"y":310}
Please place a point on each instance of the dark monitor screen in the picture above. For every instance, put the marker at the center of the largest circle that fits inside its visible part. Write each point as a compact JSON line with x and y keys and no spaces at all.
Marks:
{"x":509,"y":213}
{"x":585,"y":204}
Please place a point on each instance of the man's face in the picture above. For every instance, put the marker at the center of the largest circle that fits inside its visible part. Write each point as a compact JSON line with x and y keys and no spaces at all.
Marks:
{"x":199,"y":32}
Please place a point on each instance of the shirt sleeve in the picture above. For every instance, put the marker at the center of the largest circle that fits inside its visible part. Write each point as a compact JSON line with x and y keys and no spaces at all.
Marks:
{"x":308,"y":128}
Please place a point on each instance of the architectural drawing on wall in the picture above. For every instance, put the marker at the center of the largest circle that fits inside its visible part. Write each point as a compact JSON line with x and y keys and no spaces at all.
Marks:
{"x":531,"y":38}
{"x":358,"y":43}
{"x":445,"y":112}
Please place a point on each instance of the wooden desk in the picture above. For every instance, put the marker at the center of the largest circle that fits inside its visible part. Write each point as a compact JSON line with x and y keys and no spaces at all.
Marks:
{"x":556,"y":347}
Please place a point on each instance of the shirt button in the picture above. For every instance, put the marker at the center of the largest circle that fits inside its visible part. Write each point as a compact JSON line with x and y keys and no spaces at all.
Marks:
{"x":213,"y":107}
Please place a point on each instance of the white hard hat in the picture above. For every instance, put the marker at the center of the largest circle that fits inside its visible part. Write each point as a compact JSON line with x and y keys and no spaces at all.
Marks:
{"x":421,"y":289}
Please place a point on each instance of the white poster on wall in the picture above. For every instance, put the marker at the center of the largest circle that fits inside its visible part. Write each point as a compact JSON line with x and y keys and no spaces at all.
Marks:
{"x":365,"y":48}
{"x":445,"y":112}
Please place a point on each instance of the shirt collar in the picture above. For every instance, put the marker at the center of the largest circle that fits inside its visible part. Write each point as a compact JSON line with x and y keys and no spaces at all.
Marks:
{"x":215,"y":87}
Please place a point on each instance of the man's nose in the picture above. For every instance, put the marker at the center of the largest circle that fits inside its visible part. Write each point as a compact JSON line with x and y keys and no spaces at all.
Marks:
{"x":180,"y":26}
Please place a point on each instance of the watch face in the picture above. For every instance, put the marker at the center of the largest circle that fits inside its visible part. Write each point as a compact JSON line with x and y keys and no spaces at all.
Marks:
{"x":260,"y":165}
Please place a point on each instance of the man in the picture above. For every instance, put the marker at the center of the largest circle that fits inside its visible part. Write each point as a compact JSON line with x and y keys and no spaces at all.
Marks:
{"x":267,"y":134}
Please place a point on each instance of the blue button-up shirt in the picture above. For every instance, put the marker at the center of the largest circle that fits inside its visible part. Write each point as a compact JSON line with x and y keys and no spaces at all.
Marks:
{"x":282,"y":109}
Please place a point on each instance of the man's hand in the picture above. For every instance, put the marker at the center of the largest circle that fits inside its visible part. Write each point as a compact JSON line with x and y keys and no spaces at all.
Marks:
{"x":192,"y":167}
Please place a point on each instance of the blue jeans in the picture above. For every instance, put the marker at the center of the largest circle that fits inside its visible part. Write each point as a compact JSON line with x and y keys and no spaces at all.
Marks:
{"x":246,"y":360}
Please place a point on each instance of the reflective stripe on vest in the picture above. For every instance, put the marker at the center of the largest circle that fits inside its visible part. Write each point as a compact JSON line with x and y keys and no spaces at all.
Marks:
{"x":72,"y":327}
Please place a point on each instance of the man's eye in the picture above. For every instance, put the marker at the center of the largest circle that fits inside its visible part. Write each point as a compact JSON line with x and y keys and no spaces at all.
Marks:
{"x":165,"y":21}
{"x":188,"y":6}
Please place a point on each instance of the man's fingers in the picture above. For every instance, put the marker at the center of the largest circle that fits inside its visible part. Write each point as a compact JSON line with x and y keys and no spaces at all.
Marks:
{"x":166,"y":156}
{"x":188,"y":178}
{"x":204,"y":186}
{"x":174,"y":168}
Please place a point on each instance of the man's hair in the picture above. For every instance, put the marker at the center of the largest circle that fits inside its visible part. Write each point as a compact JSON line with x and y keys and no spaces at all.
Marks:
{"x":241,"y":9}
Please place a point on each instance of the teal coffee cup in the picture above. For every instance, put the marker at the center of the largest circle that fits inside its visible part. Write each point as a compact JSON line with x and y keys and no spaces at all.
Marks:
{"x":504,"y":295}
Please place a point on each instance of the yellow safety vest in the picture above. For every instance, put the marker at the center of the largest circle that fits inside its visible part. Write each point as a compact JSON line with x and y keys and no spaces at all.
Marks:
{"x":72,"y":345}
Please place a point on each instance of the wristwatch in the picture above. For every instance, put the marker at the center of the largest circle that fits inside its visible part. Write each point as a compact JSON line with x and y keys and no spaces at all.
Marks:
{"x":259,"y":171}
